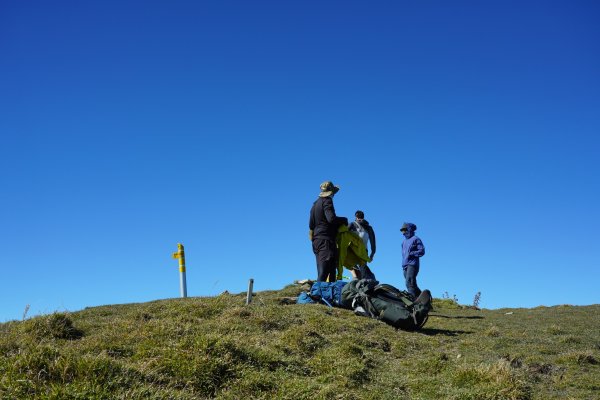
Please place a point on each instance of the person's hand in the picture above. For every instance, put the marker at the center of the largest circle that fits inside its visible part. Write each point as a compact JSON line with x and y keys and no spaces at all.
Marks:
{"x":310,"y":235}
{"x":371,"y":257}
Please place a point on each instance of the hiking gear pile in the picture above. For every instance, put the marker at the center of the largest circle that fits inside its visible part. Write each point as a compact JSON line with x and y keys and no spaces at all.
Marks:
{"x":370,"y":299}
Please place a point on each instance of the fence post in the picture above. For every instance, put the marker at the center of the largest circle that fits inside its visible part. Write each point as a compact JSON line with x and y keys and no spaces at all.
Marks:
{"x":249,"y":295}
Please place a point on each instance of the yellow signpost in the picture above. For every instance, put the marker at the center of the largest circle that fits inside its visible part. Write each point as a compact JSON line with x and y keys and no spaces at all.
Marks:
{"x":180,"y":254}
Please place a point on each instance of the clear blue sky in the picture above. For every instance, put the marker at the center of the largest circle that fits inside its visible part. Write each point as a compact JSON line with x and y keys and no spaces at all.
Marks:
{"x":128,"y":127}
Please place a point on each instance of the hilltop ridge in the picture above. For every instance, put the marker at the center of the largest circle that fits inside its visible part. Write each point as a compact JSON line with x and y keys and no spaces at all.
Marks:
{"x":217,"y":347}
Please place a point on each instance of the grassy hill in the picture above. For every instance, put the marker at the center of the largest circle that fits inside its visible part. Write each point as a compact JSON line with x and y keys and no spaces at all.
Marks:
{"x":217,"y":347}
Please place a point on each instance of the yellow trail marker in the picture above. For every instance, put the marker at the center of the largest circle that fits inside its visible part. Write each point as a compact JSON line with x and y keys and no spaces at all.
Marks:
{"x":180,"y":254}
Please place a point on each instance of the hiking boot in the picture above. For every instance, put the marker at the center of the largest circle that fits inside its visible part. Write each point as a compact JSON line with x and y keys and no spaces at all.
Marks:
{"x":421,"y":308}
{"x":424,"y":298}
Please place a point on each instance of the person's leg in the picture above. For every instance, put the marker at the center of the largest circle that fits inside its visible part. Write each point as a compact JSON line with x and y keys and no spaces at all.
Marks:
{"x":333,"y":262}
{"x":366,"y":273}
{"x":322,"y":272}
{"x":410,"y":275}
{"x":332,"y":277}
{"x":317,"y":245}
{"x":325,"y":256}
{"x":417,"y":289}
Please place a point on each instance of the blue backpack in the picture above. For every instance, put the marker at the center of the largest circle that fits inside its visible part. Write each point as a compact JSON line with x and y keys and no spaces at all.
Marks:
{"x":329,"y":293}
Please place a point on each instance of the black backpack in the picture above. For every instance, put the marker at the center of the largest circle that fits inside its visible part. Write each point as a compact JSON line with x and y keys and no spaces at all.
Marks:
{"x":386,"y":303}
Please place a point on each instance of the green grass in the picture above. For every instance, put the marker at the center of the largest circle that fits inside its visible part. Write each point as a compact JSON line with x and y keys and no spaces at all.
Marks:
{"x":217,"y":347}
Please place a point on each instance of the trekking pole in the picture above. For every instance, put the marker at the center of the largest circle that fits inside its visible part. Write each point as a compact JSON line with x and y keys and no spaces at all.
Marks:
{"x":249,"y":294}
{"x":180,"y":254}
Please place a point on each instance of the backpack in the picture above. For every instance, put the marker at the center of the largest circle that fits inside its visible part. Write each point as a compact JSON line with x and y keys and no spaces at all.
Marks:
{"x":329,"y":293}
{"x":386,"y":303}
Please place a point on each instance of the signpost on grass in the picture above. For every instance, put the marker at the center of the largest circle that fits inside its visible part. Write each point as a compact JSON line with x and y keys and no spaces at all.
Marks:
{"x":180,"y":254}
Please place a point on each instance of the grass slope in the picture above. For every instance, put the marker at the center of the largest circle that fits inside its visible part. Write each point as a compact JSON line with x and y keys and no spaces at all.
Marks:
{"x":217,"y":347}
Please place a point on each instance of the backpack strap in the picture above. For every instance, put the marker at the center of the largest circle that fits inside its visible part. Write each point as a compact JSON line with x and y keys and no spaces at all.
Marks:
{"x":328,"y":303}
{"x":358,"y":226}
{"x":364,"y":289}
{"x":362,"y":299}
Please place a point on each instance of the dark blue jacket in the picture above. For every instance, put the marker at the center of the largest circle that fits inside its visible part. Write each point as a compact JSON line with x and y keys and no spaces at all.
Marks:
{"x":412,"y":250}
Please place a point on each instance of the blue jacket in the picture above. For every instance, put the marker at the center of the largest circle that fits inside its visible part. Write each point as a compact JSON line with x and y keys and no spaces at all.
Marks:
{"x":412,"y":250}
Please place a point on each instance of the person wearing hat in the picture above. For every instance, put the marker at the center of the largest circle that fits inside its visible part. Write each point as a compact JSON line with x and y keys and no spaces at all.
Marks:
{"x":323,"y":226}
{"x":412,"y":250}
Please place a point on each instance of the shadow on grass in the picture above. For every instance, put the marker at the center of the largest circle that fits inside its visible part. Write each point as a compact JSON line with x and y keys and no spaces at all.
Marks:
{"x":457,"y":316}
{"x":445,"y":332}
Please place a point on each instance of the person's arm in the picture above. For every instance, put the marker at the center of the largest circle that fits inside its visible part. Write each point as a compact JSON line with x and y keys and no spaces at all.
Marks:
{"x":330,"y":213}
{"x":311,"y":225}
{"x":328,"y":210}
{"x":372,"y":241}
{"x":420,"y":249}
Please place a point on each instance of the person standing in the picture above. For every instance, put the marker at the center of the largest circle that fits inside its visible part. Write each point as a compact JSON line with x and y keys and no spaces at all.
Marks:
{"x":365,"y":231}
{"x":323,"y":226}
{"x":412,"y":250}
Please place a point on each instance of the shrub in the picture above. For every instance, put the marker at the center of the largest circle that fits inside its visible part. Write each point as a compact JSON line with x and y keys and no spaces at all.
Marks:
{"x":53,"y":326}
{"x":492,"y":381}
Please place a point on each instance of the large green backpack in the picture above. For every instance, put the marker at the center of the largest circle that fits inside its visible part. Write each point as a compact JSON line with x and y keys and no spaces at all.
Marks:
{"x":386,"y":303}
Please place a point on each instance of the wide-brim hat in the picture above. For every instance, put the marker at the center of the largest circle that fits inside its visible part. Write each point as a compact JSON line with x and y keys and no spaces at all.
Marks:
{"x":328,"y":188}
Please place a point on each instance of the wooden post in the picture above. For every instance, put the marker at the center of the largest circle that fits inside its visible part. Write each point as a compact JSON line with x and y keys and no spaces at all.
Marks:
{"x":249,"y":295}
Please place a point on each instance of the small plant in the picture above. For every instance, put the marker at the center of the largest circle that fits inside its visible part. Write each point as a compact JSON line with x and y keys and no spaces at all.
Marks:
{"x":25,"y":312}
{"x":555,"y":329}
{"x":492,"y":331}
{"x":476,"y":299}
{"x":447,"y":297}
{"x":580,"y":357}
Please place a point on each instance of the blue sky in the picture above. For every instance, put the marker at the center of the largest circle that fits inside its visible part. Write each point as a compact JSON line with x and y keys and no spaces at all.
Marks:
{"x":128,"y":127}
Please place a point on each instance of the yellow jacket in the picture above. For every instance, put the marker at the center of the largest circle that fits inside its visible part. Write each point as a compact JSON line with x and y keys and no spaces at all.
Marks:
{"x":352,"y":250}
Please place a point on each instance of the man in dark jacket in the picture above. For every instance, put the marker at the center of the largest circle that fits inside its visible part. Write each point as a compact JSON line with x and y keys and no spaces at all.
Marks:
{"x":323,"y":225}
{"x":412,"y":250}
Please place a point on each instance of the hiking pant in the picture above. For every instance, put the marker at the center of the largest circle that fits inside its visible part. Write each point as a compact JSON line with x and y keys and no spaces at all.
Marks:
{"x":410,"y":276}
{"x":326,"y":254}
